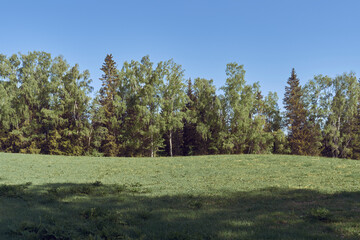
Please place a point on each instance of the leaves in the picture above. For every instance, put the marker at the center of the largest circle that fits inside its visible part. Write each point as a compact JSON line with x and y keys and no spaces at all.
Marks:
{"x":43,"y":96}
{"x":145,"y":109}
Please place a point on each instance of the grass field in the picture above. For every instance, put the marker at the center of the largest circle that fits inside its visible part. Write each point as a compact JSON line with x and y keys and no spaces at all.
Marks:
{"x":206,"y":197}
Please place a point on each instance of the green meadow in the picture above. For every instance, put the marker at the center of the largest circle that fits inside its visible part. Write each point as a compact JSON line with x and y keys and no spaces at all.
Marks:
{"x":203,"y":197}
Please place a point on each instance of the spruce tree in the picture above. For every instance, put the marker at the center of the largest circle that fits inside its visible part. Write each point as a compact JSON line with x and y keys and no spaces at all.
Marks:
{"x":107,"y":96}
{"x":298,"y":129}
{"x":191,"y":137}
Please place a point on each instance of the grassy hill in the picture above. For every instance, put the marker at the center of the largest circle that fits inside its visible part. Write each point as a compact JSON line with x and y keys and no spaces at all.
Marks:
{"x":205,"y":197}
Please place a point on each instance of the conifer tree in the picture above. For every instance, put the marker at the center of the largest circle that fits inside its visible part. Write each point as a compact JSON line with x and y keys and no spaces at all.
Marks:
{"x":295,"y":114}
{"x":107,"y":95}
{"x":191,"y":137}
{"x":301,"y":134}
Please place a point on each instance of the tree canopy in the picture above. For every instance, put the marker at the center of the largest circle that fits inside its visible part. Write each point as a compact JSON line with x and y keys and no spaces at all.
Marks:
{"x":149,"y":109}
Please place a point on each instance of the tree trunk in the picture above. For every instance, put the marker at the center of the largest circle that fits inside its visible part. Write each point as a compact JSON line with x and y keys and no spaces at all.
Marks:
{"x":170,"y":143}
{"x":152,"y":146}
{"x":89,"y":140}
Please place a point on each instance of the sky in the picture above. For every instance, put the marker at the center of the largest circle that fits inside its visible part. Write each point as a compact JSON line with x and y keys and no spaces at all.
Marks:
{"x":268,"y":37}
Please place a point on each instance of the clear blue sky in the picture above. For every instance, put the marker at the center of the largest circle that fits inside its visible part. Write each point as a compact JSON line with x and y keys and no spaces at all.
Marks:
{"x":268,"y":37}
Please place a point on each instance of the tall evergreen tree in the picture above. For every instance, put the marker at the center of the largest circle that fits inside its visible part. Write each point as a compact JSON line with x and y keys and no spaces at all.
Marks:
{"x":107,"y":95}
{"x":295,"y":114}
{"x":190,"y":138}
{"x":300,"y":132}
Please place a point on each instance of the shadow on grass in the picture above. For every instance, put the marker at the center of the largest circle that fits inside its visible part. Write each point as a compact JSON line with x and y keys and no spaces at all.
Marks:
{"x":97,"y":211}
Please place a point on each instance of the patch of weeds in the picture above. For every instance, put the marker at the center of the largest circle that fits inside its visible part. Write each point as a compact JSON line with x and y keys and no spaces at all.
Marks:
{"x":61,"y":192}
{"x":136,"y":185}
{"x":97,"y":184}
{"x":320,"y":214}
{"x":190,"y":196}
{"x":93,"y":213}
{"x":13,"y":190}
{"x":195,"y":204}
{"x":94,"y":189}
{"x":96,"y":237}
{"x":81,"y":189}
{"x":103,"y":215}
{"x":104,"y":224}
{"x":31,"y":230}
{"x":307,"y":165}
{"x":136,"y":188}
{"x":54,"y":191}
{"x":51,"y":196}
{"x":179,"y":236}
{"x":144,"y":214}
{"x":119,"y":188}
{"x":110,"y":231}
{"x":254,"y":208}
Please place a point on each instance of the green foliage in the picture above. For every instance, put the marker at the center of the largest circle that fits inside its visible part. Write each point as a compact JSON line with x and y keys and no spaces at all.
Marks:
{"x":45,"y":105}
{"x":303,"y":134}
{"x":355,"y":136}
{"x":248,"y":118}
{"x":280,"y":143}
{"x":190,"y":137}
{"x":105,"y":115}
{"x":145,"y":109}
{"x":109,"y":146}
{"x":237,"y":104}
{"x":206,"y":116}
{"x":173,"y":100}
{"x":333,"y":106}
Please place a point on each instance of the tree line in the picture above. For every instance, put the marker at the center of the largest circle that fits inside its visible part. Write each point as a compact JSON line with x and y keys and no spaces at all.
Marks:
{"x":149,"y":109}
